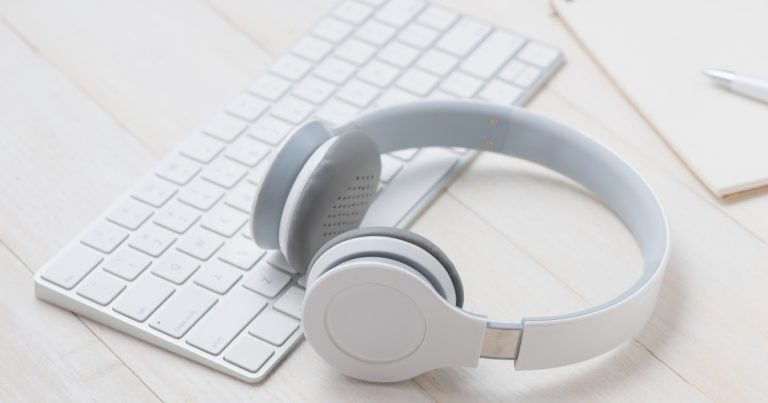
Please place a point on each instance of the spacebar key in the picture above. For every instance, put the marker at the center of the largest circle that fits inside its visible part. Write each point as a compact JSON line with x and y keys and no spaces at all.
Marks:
{"x":226,"y":320}
{"x":412,"y":184}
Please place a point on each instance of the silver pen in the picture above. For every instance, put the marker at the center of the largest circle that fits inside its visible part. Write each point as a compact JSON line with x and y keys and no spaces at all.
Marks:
{"x":750,"y":86}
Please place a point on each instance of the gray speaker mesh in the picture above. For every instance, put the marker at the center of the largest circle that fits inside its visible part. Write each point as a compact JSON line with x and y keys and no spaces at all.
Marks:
{"x":350,"y":207}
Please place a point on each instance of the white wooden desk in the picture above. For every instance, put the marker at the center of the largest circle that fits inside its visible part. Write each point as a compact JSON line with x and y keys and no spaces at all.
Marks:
{"x":92,"y":92}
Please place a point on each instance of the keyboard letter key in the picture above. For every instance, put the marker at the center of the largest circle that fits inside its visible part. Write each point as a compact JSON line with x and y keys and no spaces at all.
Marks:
{"x":266,"y":280}
{"x":105,"y":237}
{"x":127,"y":263}
{"x":200,"y":243}
{"x":241,"y":253}
{"x":175,"y":267}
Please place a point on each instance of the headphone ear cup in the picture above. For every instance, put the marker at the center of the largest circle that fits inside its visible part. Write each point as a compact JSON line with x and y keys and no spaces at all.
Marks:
{"x":330,"y":196}
{"x":441,"y":275}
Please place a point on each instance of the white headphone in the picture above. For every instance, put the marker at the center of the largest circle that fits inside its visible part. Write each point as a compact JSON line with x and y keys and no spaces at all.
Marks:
{"x":384,"y":304}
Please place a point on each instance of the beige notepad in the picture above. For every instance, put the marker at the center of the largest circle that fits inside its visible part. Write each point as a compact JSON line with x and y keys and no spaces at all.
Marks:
{"x":655,"y":51}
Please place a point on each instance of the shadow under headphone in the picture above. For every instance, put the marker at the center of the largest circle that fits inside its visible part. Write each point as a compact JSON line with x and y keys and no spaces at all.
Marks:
{"x":384,"y":304}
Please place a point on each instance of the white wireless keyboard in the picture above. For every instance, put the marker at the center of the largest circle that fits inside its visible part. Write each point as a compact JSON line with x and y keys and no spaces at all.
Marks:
{"x":173,"y":262}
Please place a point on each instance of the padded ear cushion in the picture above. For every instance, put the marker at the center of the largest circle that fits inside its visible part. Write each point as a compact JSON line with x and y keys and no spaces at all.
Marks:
{"x":330,"y":196}
{"x":279,"y":178}
{"x":403,"y":235}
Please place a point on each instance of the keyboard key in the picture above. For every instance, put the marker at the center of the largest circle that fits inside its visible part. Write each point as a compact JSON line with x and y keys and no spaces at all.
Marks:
{"x":269,"y":87}
{"x":417,"y":81}
{"x":178,"y":170}
{"x":278,"y":260}
{"x":501,"y":92}
{"x":100,"y":288}
{"x":201,"y":194}
{"x":266,"y":280}
{"x":177,"y":217}
{"x":105,"y":237}
{"x":312,"y":48}
{"x":437,"y":17}
{"x":378,"y":73}
{"x":335,"y":70}
{"x":154,"y":191}
{"x":314,"y":90}
{"x":291,"y":67}
{"x":241,"y":253}
{"x":226,"y":320}
{"x":292,"y":110}
{"x":290,"y":302}
{"x":336,"y":112}
{"x":399,"y":12}
{"x":217,"y":276}
{"x":462,"y":85}
{"x":437,"y":62}
{"x":538,"y":54}
{"x":175,"y":267}
{"x":398,"y":54}
{"x":201,"y":148}
{"x":224,"y":220}
{"x":182,"y":311}
{"x":352,"y":11}
{"x":418,"y":36}
{"x":248,"y":151}
{"x":511,"y":70}
{"x":355,"y":51}
{"x":242,"y":196}
{"x":249,"y":353}
{"x":273,"y":327}
{"x":358,"y":93}
{"x":332,"y":29}
{"x":70,"y":267}
{"x":270,"y":129}
{"x":491,"y":54}
{"x":129,"y":214}
{"x":375,"y":33}
{"x":224,"y":127}
{"x":200,"y":243}
{"x":127,"y":264}
{"x":143,"y":298}
{"x":224,"y":172}
{"x":152,"y":240}
{"x":394,"y":96}
{"x":389,"y":168}
{"x":463,"y":36}
{"x":247,"y":107}
{"x":528,"y":76}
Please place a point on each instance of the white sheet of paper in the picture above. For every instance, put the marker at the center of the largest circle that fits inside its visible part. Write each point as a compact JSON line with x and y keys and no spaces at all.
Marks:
{"x":655,"y":51}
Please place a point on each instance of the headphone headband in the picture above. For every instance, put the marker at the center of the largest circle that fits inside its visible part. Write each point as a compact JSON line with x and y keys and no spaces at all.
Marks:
{"x":544,"y":342}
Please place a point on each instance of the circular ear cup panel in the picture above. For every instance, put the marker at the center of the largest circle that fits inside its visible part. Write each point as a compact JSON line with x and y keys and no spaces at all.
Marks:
{"x":330,"y":196}
{"x":278,"y":180}
{"x":403,"y":235}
